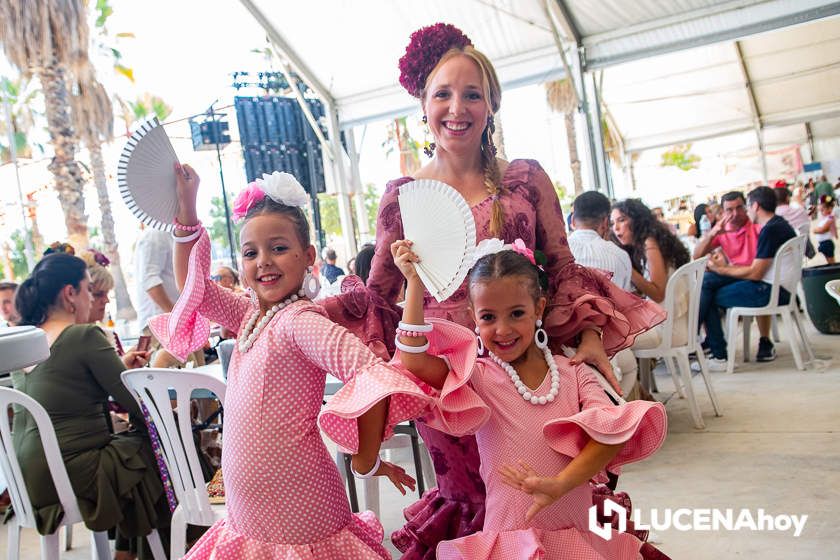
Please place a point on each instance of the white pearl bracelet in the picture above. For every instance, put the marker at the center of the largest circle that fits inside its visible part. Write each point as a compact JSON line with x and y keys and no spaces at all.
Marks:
{"x":424,"y":328}
{"x":367,"y":474}
{"x":187,"y":238}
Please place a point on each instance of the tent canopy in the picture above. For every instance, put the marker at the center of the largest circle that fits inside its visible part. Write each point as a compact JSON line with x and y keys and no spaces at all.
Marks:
{"x":358,"y":70}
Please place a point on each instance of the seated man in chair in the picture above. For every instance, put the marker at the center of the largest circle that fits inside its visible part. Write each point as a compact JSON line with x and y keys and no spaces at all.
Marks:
{"x":746,"y":285}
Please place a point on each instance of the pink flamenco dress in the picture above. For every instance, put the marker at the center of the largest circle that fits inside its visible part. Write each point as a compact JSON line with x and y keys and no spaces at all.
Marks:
{"x":285,"y":497}
{"x":579,"y":297}
{"x":478,"y":397}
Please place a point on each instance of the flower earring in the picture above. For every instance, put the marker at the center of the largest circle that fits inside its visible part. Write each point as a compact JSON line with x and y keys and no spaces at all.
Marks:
{"x":480,"y":349}
{"x":252,"y":295}
{"x":428,"y":147}
{"x":540,"y":336}
{"x":311,"y":285}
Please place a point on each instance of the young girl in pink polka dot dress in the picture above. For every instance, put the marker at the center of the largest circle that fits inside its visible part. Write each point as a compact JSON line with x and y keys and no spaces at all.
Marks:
{"x":544,"y":427}
{"x":285,"y":497}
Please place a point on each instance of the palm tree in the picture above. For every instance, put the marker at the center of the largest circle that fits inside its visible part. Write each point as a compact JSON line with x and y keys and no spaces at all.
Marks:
{"x":93,"y":116}
{"x":562,"y":98}
{"x":50,"y":39}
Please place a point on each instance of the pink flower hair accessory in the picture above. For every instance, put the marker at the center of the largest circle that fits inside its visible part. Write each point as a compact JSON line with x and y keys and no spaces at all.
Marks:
{"x":425,"y":48}
{"x":519,"y":246}
{"x":246,"y":198}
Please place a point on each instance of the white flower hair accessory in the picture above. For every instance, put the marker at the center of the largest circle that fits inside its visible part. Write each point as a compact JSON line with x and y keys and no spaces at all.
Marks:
{"x":283,"y":188}
{"x":487,"y":247}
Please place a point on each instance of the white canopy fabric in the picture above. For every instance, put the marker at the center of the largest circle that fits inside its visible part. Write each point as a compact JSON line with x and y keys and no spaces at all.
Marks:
{"x":366,"y":37}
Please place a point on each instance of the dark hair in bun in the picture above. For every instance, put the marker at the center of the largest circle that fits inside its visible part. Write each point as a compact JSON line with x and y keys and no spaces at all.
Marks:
{"x":38,"y":293}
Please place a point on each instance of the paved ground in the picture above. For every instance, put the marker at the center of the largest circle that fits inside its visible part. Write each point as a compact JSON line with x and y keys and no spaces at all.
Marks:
{"x":776,"y":447}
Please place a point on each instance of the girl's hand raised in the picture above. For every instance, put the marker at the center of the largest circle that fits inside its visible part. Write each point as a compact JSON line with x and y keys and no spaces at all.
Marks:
{"x":186,"y":185}
{"x":405,"y":258}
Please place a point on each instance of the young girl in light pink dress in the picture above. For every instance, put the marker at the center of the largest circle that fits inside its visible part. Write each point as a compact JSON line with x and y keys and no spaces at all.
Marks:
{"x":285,"y":497}
{"x":544,"y":427}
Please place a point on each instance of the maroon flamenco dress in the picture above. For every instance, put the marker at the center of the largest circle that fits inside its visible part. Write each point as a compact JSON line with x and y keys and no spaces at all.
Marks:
{"x":579,"y":298}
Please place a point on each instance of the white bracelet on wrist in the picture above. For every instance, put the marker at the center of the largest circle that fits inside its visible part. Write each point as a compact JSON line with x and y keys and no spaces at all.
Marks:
{"x":187,"y":238}
{"x":424,"y":328}
{"x":367,"y":474}
{"x":410,"y":349}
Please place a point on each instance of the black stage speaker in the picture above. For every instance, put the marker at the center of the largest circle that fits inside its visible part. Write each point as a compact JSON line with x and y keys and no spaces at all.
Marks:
{"x":276,"y":136}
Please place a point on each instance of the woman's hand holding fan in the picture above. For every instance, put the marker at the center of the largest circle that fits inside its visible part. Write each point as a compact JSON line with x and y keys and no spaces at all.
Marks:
{"x":441,"y":227}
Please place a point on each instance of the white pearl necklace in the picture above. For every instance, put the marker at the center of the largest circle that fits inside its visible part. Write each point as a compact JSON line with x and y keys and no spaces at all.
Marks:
{"x":251,"y":332}
{"x":523,"y":389}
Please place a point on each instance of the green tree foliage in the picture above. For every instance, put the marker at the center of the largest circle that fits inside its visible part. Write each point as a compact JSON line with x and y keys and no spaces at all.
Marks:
{"x":218,"y":227}
{"x":680,"y":156}
{"x":330,"y":221}
{"x":19,"y":267}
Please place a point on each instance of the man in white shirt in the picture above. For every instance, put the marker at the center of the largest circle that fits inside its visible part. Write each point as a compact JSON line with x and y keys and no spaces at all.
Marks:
{"x":154,"y":273}
{"x":591,"y":220}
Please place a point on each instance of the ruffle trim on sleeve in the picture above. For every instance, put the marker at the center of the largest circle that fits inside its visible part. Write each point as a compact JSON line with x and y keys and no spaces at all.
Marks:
{"x":640,"y":425}
{"x":458,"y":410}
{"x":407,"y":400}
{"x":185,"y":330}
{"x":621,"y":315}
{"x":364,"y":313}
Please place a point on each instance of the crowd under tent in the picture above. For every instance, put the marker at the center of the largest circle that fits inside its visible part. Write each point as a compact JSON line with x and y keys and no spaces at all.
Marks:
{"x":730,"y":67}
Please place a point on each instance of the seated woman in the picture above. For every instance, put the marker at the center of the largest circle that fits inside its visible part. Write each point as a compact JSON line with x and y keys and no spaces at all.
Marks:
{"x":655,"y":253}
{"x":114,"y":477}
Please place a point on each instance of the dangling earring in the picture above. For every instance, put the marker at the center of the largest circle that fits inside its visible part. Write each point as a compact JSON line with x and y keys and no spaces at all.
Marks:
{"x":480,"y":349}
{"x":252,"y":295}
{"x":491,"y":128}
{"x":311,"y":285}
{"x":540,"y":336}
{"x":428,"y":147}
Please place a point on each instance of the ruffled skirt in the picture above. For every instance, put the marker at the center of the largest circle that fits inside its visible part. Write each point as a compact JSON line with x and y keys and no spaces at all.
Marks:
{"x":361,"y":539}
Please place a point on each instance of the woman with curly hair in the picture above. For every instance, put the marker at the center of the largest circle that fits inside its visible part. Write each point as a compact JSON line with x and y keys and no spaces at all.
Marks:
{"x":655,"y":254}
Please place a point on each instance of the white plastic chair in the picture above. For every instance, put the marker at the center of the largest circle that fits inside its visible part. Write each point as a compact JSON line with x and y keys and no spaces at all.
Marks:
{"x":24,"y":511}
{"x":787,"y":273}
{"x":151,"y":387}
{"x":692,"y":274}
{"x":833,"y":289}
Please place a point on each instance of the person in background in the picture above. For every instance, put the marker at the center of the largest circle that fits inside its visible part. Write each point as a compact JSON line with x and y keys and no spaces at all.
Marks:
{"x":114,"y":477}
{"x":735,"y":234}
{"x":588,"y":244}
{"x":329,"y":270}
{"x":589,"y":247}
{"x":227,"y":278}
{"x":101,"y":283}
{"x":797,"y":217}
{"x":823,"y":188}
{"x":659,"y":212}
{"x":746,"y":285}
{"x":826,"y":228}
{"x":8,"y":314}
{"x":363,"y":261}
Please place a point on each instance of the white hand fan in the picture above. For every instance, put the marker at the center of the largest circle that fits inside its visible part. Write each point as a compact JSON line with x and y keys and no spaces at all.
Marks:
{"x":440,"y":223}
{"x":146,"y":176}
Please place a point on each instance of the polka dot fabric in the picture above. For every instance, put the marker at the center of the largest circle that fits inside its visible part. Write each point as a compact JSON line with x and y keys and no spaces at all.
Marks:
{"x":285,"y":497}
{"x":547,"y":437}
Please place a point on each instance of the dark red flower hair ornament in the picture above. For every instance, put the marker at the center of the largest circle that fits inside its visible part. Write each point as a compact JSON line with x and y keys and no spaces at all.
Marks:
{"x":425,"y":48}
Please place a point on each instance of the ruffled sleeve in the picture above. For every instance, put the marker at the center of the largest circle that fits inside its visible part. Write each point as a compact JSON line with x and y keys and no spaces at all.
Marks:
{"x":370,"y":312}
{"x":367,"y":378}
{"x":580,"y":297}
{"x":187,"y":328}
{"x":640,"y":425}
{"x":457,"y":409}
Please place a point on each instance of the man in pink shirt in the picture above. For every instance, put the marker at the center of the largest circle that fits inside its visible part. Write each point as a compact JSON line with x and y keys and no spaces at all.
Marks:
{"x":735,"y":234}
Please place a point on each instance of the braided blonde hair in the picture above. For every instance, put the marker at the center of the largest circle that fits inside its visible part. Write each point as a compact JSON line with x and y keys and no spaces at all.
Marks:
{"x":493,"y":95}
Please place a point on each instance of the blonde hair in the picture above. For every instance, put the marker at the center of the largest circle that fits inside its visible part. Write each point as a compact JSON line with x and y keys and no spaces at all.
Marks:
{"x":100,"y":278}
{"x":493,"y":95}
